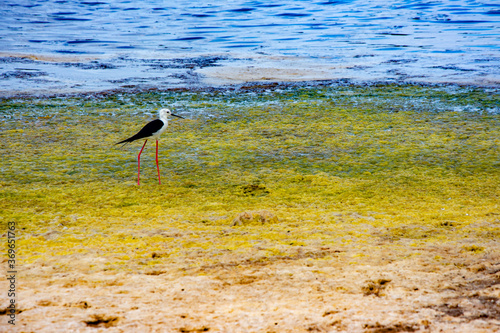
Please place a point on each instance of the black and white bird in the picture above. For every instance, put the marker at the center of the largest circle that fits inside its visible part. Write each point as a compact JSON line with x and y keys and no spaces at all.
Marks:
{"x":152,"y":130}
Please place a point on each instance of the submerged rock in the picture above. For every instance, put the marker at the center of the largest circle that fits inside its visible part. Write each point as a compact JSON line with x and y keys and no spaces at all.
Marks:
{"x":254,"y":217}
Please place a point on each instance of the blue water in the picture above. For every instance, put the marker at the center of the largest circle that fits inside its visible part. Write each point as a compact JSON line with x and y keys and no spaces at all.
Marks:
{"x":97,"y":45}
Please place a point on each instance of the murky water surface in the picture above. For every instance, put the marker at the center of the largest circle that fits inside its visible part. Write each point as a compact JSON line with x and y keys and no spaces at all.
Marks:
{"x":79,"y":46}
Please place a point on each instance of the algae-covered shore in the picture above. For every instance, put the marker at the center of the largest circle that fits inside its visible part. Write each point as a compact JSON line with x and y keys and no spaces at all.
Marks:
{"x":282,"y":209}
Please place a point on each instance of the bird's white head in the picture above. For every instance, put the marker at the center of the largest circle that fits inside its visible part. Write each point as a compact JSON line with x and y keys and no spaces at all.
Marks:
{"x":164,"y":113}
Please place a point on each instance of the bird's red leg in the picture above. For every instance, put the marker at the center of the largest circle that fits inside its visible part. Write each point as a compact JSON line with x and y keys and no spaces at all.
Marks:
{"x":139,"y":163}
{"x":157,"y":166}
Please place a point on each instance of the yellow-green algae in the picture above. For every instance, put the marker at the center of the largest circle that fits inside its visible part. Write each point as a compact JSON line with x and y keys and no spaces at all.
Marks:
{"x":359,"y":166}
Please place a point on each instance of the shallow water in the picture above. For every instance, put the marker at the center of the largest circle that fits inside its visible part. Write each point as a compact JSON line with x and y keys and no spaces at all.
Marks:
{"x":99,"y":45}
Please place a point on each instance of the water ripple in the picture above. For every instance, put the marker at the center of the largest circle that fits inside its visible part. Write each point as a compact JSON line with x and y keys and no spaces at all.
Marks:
{"x":342,"y":33}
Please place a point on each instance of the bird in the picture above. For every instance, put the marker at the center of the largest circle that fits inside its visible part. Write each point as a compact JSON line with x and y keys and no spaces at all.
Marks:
{"x":151,"y":130}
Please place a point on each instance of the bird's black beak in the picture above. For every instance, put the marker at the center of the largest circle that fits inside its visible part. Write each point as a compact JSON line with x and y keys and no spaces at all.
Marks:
{"x":177,"y":116}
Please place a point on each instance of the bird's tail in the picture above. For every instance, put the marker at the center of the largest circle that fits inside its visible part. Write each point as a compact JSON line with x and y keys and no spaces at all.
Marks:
{"x":132,"y":138}
{"x":124,"y":144}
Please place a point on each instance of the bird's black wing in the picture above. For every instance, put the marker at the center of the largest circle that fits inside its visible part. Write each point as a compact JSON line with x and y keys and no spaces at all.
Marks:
{"x":147,"y":131}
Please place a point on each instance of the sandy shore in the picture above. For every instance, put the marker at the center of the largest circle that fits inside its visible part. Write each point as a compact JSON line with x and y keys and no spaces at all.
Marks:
{"x":317,"y":289}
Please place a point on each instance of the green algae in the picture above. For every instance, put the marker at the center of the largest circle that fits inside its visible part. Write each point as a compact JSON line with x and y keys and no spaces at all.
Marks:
{"x":336,"y":165}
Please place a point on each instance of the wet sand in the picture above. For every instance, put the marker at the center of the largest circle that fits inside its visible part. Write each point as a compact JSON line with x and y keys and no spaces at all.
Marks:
{"x":48,"y":75}
{"x":315,"y":289}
